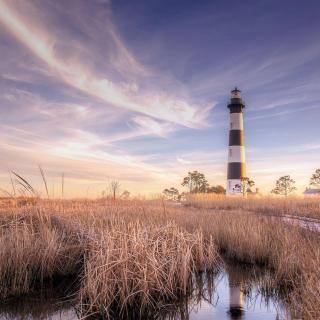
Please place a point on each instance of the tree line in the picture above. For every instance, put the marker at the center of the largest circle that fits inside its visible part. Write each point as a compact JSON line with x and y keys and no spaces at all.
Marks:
{"x":196,"y":182}
{"x":285,"y":185}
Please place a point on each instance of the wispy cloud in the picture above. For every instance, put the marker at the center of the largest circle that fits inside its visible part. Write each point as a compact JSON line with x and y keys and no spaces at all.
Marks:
{"x":281,"y":113}
{"x":152,"y":127}
{"x":256,"y":71}
{"x":183,"y":161}
{"x":83,"y":162}
{"x":72,"y":71}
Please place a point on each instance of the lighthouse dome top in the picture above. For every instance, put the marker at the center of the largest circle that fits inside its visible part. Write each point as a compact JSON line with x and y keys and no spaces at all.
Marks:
{"x":235,"y":93}
{"x":236,"y":103}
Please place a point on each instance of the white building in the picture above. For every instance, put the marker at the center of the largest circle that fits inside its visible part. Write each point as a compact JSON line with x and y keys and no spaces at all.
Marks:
{"x":311,"y":192}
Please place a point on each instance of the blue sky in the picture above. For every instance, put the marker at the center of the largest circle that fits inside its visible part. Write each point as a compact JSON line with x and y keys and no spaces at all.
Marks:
{"x":137,"y":91}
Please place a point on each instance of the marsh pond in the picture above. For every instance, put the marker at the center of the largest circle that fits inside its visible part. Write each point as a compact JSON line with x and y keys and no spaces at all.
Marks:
{"x":234,"y":292}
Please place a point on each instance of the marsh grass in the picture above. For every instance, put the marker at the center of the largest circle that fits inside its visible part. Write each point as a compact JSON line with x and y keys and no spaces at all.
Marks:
{"x":278,"y":206}
{"x":138,"y":256}
{"x":142,"y":265}
{"x":35,"y":247}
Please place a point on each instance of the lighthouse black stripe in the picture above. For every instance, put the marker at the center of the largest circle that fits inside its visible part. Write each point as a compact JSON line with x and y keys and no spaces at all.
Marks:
{"x":236,"y":170}
{"x":235,"y":108}
{"x":236,"y":138}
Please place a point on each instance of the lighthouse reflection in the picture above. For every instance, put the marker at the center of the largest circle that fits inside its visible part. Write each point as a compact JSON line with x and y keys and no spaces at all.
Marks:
{"x":236,"y":296}
{"x":236,"y":308}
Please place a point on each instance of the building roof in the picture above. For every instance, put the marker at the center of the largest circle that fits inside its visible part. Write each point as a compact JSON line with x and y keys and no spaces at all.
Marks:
{"x":236,"y":90}
{"x":312,"y":191}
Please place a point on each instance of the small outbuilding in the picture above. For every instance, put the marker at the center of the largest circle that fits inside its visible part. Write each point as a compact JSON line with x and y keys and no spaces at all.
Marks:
{"x":311,"y":192}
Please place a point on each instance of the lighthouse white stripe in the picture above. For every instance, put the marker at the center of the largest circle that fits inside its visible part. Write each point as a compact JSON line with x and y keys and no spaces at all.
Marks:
{"x":236,"y":154}
{"x":236,"y":121}
{"x":233,"y":187}
{"x":236,"y":296}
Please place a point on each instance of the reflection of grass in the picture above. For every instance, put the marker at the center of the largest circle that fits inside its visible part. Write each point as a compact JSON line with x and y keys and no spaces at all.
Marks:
{"x":132,"y":255}
{"x":251,"y":280}
{"x":57,"y":297}
{"x":202,"y":289}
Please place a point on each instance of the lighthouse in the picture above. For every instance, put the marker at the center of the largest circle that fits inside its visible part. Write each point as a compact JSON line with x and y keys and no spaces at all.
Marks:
{"x":236,"y":152}
{"x":236,"y":302}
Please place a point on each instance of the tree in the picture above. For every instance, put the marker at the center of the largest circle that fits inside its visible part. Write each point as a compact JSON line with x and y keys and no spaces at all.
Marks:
{"x":216,"y":189}
{"x":114,"y":188}
{"x":284,"y":186}
{"x":125,"y":195}
{"x":172,"y":194}
{"x":315,"y":178}
{"x":245,"y":185}
{"x":196,"y":182}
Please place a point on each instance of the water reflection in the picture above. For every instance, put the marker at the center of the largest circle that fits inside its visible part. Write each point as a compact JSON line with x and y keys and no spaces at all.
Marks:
{"x":235,"y":292}
{"x":236,"y":298}
{"x":54,"y":302}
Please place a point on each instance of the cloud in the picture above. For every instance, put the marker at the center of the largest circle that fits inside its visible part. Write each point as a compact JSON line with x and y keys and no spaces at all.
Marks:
{"x":183,"y":161}
{"x":281,"y":113}
{"x":81,"y":161}
{"x":150,"y":126}
{"x":47,"y":47}
{"x":54,"y":134}
{"x":282,"y":103}
{"x":256,"y":71}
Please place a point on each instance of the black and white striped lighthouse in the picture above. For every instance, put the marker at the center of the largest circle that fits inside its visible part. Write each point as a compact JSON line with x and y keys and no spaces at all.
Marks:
{"x":236,"y":156}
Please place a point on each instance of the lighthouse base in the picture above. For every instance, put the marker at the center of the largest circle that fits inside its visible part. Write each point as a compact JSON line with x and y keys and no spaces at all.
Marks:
{"x":234,"y":187}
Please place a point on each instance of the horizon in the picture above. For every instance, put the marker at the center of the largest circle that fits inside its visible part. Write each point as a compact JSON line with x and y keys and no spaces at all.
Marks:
{"x":138,"y":92}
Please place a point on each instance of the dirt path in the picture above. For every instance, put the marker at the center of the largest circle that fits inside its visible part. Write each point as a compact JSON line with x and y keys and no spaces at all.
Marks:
{"x":307,"y":223}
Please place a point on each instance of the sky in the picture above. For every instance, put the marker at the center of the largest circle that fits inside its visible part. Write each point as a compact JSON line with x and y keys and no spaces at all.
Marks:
{"x":137,"y":91}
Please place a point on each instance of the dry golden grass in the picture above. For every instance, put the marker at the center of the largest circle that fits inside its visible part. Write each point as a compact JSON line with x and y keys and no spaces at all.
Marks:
{"x":135,"y":255}
{"x":294,"y":206}
{"x":35,"y":246}
{"x":134,"y":266}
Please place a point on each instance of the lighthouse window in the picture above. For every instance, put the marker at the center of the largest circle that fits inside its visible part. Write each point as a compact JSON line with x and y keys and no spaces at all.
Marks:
{"x":231,"y":125}
{"x":230,"y":152}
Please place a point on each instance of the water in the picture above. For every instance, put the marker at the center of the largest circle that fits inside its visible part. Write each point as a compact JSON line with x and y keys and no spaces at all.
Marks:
{"x":234,"y":292}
